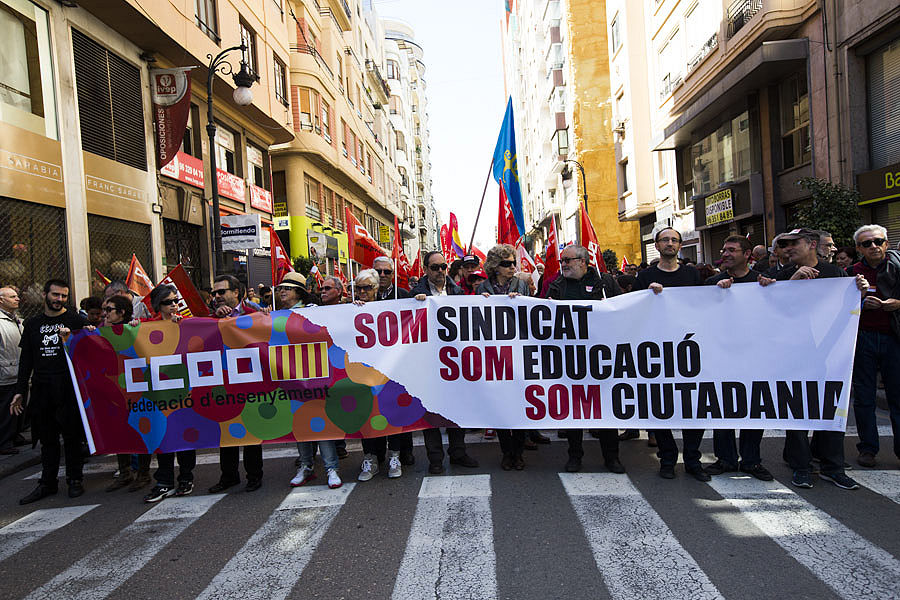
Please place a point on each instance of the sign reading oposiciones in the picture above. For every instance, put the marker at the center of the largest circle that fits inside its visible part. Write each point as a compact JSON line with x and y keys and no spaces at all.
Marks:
{"x":634,"y":361}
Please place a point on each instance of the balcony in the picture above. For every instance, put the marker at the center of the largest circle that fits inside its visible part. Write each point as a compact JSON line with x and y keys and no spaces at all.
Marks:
{"x":340,"y":13}
{"x":311,"y":50}
{"x":739,"y":14}
{"x":704,"y":51}
{"x":632,"y":208}
{"x":379,"y":86}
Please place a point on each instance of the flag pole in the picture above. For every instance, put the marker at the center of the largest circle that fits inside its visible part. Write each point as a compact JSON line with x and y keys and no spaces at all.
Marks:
{"x":481,"y":204}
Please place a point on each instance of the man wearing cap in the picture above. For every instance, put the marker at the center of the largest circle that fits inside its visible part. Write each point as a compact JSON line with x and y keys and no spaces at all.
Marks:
{"x":228,"y":301}
{"x":800,"y":247}
{"x":470,"y":264}
{"x":384,"y":266}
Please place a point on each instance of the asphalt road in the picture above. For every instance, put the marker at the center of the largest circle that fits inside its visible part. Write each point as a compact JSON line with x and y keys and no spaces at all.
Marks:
{"x":469,"y":533}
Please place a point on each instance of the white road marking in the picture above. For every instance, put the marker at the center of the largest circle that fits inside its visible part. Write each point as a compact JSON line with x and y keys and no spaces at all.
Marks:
{"x":450,"y":550}
{"x":32,"y":527}
{"x":851,"y":565}
{"x":280,"y":550}
{"x":108,"y":566}
{"x":886,"y":483}
{"x":635,"y":551}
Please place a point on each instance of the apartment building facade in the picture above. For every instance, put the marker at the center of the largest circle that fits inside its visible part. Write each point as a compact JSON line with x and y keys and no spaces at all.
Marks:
{"x":557,"y":72}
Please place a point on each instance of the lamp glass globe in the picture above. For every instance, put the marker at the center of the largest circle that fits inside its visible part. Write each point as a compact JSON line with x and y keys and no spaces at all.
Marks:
{"x":243,"y":96}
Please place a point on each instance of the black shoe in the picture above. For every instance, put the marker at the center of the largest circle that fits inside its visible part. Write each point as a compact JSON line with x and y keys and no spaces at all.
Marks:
{"x":253,"y":485}
{"x":341,"y":453}
{"x":539,"y":438}
{"x":614,"y":465}
{"x":518,"y":462}
{"x":698,"y":472}
{"x":222,"y":486}
{"x":407,"y":458}
{"x":530,"y":444}
{"x":758,"y":471}
{"x":158,"y":493}
{"x":41,"y":491}
{"x":629,"y":434}
{"x":19,"y":440}
{"x":435,"y":468}
{"x":667,"y":471}
{"x":573,"y":465}
{"x":719,"y":467}
{"x":594,"y":433}
{"x":507,"y":462}
{"x":651,"y":439}
{"x":75,"y":488}
{"x":184,"y":488}
{"x":464,"y":461}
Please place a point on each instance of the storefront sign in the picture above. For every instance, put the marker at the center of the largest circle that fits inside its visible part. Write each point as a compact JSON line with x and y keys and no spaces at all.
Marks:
{"x":260,"y":198}
{"x":279,"y":209}
{"x":241,"y":232}
{"x":30,"y":167}
{"x":230,"y":185}
{"x":116,"y":190}
{"x":282,"y":222}
{"x":719,"y":207}
{"x":321,"y":245}
{"x":171,"y":93}
{"x":877,"y":186}
{"x":384,"y":234}
{"x":185,"y":168}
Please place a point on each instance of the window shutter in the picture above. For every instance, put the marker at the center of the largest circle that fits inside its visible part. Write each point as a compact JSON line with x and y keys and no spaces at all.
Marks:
{"x":883,"y":75}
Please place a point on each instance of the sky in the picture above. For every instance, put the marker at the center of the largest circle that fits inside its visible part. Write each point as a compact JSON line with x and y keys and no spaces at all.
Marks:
{"x":466,"y":101}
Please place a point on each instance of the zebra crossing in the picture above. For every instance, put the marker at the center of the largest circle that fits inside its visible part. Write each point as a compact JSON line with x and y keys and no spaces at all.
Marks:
{"x":448,"y":544}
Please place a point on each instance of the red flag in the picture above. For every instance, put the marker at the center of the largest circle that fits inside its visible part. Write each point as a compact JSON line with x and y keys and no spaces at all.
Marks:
{"x":281,"y":262}
{"x":589,"y":240}
{"x":188,"y":301}
{"x":476,"y":252}
{"x":507,"y":230}
{"x":339,"y":273}
{"x":103,"y":278}
{"x":417,"y":267}
{"x":314,"y":272}
{"x":525,"y":263}
{"x":624,"y":262}
{"x":538,"y":260}
{"x":551,"y":266}
{"x":445,"y":243}
{"x":137,"y":280}
{"x":399,"y":257}
{"x":363,"y":248}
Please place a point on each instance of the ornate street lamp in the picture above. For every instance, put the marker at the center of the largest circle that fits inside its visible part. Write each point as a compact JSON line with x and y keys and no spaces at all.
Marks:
{"x":243,"y":79}
{"x":583,"y":180}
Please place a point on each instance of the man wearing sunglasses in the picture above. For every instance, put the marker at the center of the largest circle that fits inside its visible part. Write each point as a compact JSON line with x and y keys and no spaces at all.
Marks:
{"x":801,"y":247}
{"x":878,"y":341}
{"x":228,"y":294}
{"x":384,"y":266}
{"x":437,"y":283}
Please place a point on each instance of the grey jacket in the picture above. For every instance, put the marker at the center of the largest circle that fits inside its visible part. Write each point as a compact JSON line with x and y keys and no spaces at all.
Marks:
{"x":10,"y":334}
{"x":515,"y":285}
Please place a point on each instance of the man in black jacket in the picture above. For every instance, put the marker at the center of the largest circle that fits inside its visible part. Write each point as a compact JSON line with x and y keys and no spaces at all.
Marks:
{"x":55,"y":409}
{"x":580,"y":281}
{"x":437,"y":283}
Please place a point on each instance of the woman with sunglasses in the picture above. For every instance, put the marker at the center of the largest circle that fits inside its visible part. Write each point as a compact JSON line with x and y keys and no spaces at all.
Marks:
{"x":500,"y":268}
{"x":164,"y":300}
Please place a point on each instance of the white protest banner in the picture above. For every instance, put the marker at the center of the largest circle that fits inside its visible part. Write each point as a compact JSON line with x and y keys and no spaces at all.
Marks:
{"x":778,"y":357}
{"x":241,"y":232}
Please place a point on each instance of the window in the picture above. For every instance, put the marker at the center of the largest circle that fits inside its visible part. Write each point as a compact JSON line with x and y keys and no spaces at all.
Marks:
{"x":722,"y":156}
{"x":312,"y":198}
{"x":701,"y":25}
{"x":309,"y":102}
{"x":255,"y":161}
{"x":187,"y":144}
{"x":393,"y":69}
{"x":401,"y":142}
{"x":329,"y":206}
{"x":326,"y":121}
{"x":623,"y":176}
{"x":670,"y":64}
{"x":339,"y":64}
{"x":795,"y":143}
{"x":225,"y":150}
{"x":280,"y":80}
{"x":395,"y":105}
{"x":686,"y":185}
{"x":26,"y":79}
{"x":344,"y":137}
{"x":248,"y":39}
{"x":110,"y":103}
{"x":206,"y":18}
{"x":614,"y":34}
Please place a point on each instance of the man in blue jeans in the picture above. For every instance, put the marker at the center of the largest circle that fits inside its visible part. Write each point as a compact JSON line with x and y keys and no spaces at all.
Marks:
{"x":877,"y":345}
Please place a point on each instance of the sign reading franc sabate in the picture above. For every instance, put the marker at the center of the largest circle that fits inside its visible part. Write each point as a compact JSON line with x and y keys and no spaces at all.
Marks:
{"x":634,"y":361}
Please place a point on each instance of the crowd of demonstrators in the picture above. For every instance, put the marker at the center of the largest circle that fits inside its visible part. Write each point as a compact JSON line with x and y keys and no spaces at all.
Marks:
{"x":32,"y":358}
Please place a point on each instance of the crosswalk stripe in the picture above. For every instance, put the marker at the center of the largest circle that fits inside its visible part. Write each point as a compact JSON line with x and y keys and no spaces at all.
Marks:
{"x":635,"y":551}
{"x":108,"y":566}
{"x":886,"y":483}
{"x":32,"y":527}
{"x":852,"y":566}
{"x":450,"y":551}
{"x":280,"y":550}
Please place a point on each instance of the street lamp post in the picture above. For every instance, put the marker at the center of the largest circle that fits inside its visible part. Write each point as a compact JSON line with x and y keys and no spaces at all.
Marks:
{"x":242,"y":96}
{"x":583,"y":180}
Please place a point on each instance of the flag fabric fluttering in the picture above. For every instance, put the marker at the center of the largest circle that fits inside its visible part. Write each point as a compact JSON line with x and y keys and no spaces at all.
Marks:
{"x":188,"y":301}
{"x":103,"y":278}
{"x":474,"y":251}
{"x":445,"y":243}
{"x":506,"y":170}
{"x":624,"y":262}
{"x":281,"y":262}
{"x":137,"y":280}
{"x":551,"y":265}
{"x":524,"y":262}
{"x":401,"y":264}
{"x":507,"y":230}
{"x":417,"y":267}
{"x":456,"y":246}
{"x":363,"y":247}
{"x":339,"y":273}
{"x":589,"y":240}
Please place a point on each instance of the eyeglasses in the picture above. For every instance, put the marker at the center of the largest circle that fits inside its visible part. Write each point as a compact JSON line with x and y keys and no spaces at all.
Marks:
{"x":168,"y":302}
{"x":327,"y":288}
{"x":668,"y":240}
{"x":786,"y":243}
{"x":876,"y":241}
{"x":441,"y":267}
{"x":109,"y":309}
{"x":384,"y":271}
{"x":365,"y":287}
{"x":506,"y":263}
{"x":221,"y":292}
{"x":567,"y":259}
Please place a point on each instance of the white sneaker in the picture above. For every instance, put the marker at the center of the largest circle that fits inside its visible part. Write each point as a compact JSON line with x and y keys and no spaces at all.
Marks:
{"x":305,"y":474}
{"x":394,"y":469}
{"x":369,"y":468}
{"x":334,"y":480}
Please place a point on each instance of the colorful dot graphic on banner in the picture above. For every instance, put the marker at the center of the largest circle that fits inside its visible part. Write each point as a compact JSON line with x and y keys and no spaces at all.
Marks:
{"x":269,"y":420}
{"x":349,"y":405}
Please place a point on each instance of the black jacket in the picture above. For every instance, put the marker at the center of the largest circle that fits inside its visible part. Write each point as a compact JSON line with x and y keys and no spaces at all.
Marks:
{"x":423,"y":288}
{"x":401,"y":293}
{"x":592,"y":286}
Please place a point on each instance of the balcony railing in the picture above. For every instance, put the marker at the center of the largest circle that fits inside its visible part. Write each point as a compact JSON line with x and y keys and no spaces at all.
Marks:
{"x":708,"y":47}
{"x":375,"y":74}
{"x":347,"y":9}
{"x":669,"y":83}
{"x":740,"y":13}
{"x":311,"y":50}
